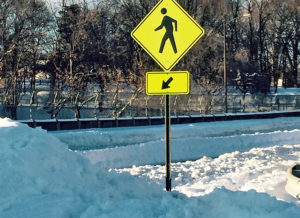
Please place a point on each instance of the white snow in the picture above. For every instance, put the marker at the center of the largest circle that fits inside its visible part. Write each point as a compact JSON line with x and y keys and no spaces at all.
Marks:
{"x":124,"y":147}
{"x":102,"y":138}
{"x":41,"y":177}
{"x":260,"y":169}
{"x":262,"y":151}
{"x":7,"y":123}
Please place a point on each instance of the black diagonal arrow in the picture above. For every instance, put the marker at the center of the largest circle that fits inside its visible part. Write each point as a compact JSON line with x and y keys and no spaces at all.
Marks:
{"x":165,"y":85}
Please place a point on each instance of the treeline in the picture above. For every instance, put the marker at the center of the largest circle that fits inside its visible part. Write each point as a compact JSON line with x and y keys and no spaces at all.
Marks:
{"x":78,"y":43}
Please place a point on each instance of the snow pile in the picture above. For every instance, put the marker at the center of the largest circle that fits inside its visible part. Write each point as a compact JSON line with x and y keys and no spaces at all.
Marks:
{"x":40,"y":177}
{"x":189,"y":148}
{"x":112,"y":137}
{"x":145,"y":145}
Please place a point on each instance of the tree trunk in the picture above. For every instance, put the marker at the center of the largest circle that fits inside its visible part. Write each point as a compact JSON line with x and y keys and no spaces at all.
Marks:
{"x":77,"y":113}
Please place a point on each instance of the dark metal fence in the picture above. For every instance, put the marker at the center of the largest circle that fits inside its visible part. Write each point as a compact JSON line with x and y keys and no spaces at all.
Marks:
{"x":124,"y":104}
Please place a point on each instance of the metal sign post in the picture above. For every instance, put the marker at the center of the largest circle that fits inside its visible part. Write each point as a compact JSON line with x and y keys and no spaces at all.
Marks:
{"x":168,"y":143}
{"x":181,"y":32}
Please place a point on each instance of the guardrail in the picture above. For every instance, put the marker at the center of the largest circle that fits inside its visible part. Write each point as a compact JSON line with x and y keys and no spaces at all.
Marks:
{"x":72,"y":124}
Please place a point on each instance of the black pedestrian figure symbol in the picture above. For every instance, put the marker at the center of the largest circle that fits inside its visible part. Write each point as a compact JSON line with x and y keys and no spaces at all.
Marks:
{"x":167,"y":22}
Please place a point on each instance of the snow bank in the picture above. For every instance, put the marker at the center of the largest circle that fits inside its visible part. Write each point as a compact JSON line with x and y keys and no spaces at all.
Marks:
{"x":189,"y":142}
{"x":40,"y":177}
{"x":112,"y":137}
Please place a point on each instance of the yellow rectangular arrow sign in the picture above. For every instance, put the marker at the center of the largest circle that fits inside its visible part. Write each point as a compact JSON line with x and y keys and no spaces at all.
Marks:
{"x":168,"y":83}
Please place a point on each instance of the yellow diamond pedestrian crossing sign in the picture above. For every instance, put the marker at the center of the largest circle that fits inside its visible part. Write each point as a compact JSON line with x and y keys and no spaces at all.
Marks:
{"x":167,"y":33}
{"x":168,"y":83}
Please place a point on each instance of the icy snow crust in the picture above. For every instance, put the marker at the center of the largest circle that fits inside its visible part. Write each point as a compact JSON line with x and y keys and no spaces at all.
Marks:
{"x":41,"y":177}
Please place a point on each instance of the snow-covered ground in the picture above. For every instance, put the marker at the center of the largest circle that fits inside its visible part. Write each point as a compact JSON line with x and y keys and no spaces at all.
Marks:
{"x":124,"y":147}
{"x":238,"y":155}
{"x":260,"y":169}
{"x":224,"y":169}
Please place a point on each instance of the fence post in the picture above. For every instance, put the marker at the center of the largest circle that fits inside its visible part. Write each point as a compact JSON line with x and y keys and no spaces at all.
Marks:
{"x":31,"y":102}
{"x":95,"y":105}
{"x":200,"y":103}
{"x":146,"y":109}
{"x":57,"y":124}
{"x":174,"y":105}
{"x":189,"y":106}
{"x":161,"y":103}
{"x":130,"y":106}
